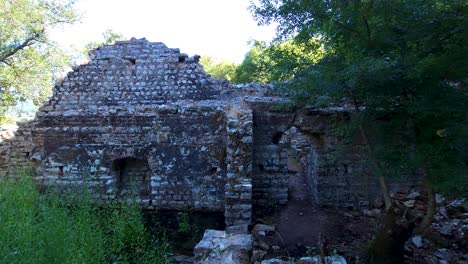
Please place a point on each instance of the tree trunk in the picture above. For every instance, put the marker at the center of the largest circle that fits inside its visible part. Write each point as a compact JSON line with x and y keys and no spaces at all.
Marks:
{"x":431,"y":208}
{"x":377,"y":170}
{"x":388,"y":245}
{"x":376,"y":166}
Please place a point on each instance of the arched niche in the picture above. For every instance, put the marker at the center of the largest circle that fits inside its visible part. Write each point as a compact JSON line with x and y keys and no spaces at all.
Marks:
{"x":132,"y":176}
{"x":300,"y":158}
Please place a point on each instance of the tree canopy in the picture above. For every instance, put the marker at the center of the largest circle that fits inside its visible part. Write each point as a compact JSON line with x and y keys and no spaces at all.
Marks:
{"x":401,"y":65}
{"x":221,"y":69}
{"x":279,"y":61}
{"x":266,"y":62}
{"x":28,"y":59}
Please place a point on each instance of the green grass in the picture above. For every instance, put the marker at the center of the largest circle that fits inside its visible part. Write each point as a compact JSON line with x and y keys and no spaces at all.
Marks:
{"x":37,"y":228}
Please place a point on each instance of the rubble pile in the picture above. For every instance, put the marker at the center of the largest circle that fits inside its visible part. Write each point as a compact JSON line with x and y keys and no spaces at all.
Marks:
{"x":446,"y":240}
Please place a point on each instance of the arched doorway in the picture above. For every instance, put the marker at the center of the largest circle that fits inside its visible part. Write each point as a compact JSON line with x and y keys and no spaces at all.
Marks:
{"x":301,"y":162}
{"x":132,"y":177}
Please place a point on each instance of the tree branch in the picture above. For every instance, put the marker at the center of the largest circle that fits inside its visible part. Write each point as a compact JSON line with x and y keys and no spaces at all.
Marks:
{"x":375,"y":164}
{"x":28,"y":42}
{"x":368,"y":29}
{"x":348,"y":28}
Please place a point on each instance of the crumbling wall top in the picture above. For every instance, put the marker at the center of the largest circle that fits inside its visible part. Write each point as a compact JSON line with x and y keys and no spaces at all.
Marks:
{"x":135,"y":73}
{"x":135,"y":49}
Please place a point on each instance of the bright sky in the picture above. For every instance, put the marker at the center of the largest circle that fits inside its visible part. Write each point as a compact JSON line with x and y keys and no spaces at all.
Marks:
{"x":217,"y":28}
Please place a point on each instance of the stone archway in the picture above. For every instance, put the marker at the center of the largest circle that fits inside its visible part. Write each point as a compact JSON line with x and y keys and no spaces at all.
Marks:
{"x":133,"y":177}
{"x":301,"y":162}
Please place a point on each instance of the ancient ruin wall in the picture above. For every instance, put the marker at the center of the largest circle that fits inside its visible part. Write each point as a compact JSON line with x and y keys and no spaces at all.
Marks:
{"x":16,"y":149}
{"x":140,"y":119}
{"x":145,"y":120}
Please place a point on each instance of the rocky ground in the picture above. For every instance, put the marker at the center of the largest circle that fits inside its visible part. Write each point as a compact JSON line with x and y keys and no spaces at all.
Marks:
{"x":299,"y":233}
{"x":446,"y":240}
{"x":297,"y":230}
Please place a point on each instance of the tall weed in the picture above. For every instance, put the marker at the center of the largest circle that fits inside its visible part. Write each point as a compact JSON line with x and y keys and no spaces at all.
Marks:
{"x":55,"y":228}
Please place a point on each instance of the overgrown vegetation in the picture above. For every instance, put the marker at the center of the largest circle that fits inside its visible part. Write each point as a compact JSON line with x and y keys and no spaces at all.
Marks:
{"x":221,"y":69}
{"x":55,"y":228}
{"x":401,"y":66}
{"x":29,"y":61}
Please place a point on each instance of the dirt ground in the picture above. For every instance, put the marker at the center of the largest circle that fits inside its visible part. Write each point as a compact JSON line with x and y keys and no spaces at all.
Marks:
{"x":301,"y":226}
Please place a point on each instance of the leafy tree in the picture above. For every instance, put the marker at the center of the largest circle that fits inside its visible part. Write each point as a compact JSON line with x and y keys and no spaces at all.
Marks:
{"x":222,"y":69}
{"x":28,"y":59}
{"x":254,"y":66}
{"x":266,"y":63}
{"x":402,"y":66}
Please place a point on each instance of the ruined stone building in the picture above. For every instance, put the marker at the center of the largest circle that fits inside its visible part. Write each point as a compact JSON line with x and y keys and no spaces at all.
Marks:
{"x":146,"y":120}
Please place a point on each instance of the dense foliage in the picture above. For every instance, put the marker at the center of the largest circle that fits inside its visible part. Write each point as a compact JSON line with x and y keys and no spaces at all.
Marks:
{"x":266,"y":63}
{"x":54,"y":229}
{"x":221,"y":69}
{"x":401,"y":65}
{"x":28,"y":59}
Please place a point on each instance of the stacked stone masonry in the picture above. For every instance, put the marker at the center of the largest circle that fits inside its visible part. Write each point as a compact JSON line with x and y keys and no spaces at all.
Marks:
{"x":144,"y":120}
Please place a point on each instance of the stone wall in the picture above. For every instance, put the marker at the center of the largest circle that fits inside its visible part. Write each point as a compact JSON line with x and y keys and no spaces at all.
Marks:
{"x":286,"y":141}
{"x":238,"y":194}
{"x":16,"y":149}
{"x":138,"y":115}
{"x":183,"y":147}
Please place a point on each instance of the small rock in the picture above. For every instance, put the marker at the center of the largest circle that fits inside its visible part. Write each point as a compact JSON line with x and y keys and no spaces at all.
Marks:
{"x":443,"y":212}
{"x":348,"y":215}
{"x":413,"y":195}
{"x":217,"y":247}
{"x":442,"y":254}
{"x":328,"y":260}
{"x":237,"y":229}
{"x":407,"y":248}
{"x":457,"y":203}
{"x":181,"y":259}
{"x":307,"y":260}
{"x":409,"y":203}
{"x":275,"y":247}
{"x":378,"y":203}
{"x":372,"y":213}
{"x":273,"y":261}
{"x":430,"y":259}
{"x":261,"y":229}
{"x":335,"y":260}
{"x":257,"y":255}
{"x":417,"y":241}
{"x":439,"y":199}
{"x":446,"y":230}
{"x":455,"y":222}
